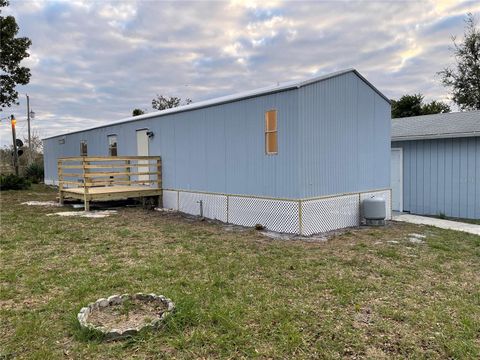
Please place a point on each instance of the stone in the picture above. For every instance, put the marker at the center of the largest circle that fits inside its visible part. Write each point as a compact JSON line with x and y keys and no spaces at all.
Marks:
{"x":131,"y":331}
{"x":114,"y":333}
{"x":81,"y":318}
{"x":85,"y":310}
{"x":114,"y":300}
{"x":141,"y":296}
{"x":102,"y":303}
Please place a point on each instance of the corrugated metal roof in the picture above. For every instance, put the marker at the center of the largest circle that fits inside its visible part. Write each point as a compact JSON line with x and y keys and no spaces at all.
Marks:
{"x":437,"y":126}
{"x":234,"y":97}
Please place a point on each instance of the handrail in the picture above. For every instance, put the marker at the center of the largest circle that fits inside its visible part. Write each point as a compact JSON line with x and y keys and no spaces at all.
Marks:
{"x":120,"y":170}
{"x":108,"y":158}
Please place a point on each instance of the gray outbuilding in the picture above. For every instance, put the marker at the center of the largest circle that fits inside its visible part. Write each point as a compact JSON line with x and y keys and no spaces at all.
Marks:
{"x":435,"y":165}
{"x":296,"y":157}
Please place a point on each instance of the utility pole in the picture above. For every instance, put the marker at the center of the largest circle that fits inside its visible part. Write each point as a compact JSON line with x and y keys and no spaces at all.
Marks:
{"x":15,"y":153}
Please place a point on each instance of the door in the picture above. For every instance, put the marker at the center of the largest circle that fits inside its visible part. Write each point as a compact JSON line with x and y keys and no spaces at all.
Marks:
{"x":396,"y":178}
{"x":142,"y":150}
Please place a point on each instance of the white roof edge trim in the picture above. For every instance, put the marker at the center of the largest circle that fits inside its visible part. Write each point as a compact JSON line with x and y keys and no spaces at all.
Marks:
{"x":436,"y":136}
{"x":231,"y":98}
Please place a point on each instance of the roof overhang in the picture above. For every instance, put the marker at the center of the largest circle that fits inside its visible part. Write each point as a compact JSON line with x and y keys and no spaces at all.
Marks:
{"x":436,"y":136}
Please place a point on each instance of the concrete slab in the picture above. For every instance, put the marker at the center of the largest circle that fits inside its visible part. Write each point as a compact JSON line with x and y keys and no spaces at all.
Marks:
{"x":440,"y":223}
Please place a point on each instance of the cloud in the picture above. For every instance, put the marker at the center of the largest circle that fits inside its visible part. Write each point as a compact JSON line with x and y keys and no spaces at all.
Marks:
{"x":94,"y":62}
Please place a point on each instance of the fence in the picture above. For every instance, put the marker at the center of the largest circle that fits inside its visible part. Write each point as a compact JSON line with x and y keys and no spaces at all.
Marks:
{"x":298,"y":216}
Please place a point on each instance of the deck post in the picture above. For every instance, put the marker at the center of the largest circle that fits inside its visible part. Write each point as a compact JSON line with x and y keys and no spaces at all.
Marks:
{"x":128,"y":170}
{"x":159,"y":181}
{"x":60,"y":181}
{"x":86,"y":202}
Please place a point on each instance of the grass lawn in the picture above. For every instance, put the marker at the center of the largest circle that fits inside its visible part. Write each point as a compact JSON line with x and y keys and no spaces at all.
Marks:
{"x":470,"y":221}
{"x":366,"y":293}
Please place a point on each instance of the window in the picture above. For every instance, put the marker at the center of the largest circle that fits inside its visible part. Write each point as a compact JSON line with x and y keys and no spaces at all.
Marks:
{"x":271,"y":142}
{"x":83,"y":148}
{"x":112,"y":145}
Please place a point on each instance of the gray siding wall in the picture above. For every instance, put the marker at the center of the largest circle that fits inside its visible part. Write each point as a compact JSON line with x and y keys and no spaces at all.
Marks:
{"x":333,"y":137}
{"x":345,"y":137}
{"x":216,"y":149}
{"x":442,"y":176}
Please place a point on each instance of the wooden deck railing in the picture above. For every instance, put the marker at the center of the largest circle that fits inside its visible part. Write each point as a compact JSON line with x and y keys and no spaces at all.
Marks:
{"x":96,"y":171}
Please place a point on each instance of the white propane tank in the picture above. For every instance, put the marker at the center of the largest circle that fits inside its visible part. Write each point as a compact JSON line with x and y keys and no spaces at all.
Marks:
{"x":374,"y":211}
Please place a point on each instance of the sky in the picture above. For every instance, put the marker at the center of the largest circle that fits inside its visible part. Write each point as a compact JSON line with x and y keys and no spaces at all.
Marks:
{"x":93,"y":62}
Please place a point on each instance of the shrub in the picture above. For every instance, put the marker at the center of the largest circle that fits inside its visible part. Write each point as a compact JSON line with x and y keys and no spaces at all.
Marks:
{"x":34,"y":172}
{"x":13,"y":182}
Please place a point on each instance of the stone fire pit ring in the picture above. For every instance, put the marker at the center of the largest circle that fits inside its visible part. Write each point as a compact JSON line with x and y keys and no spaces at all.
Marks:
{"x":163,"y":308}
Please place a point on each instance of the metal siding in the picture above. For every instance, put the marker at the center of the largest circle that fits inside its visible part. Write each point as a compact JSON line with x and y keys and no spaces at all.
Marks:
{"x":216,"y":149}
{"x":448,"y":175}
{"x":477,"y":177}
{"x":442,"y":176}
{"x":215,"y":139}
{"x":433,"y":195}
{"x":419,"y":196}
{"x":441,"y":179}
{"x":345,"y":132}
{"x":428,"y":176}
{"x":381,"y":143}
{"x":406,"y":177}
{"x":166,"y":141}
{"x":456,"y":177}
{"x":463,"y":198}
{"x":333,"y":137}
{"x":471,"y":175}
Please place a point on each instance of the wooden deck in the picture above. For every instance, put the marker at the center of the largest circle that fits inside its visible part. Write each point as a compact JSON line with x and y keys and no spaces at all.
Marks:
{"x":109,"y":178}
{"x":111,"y":192}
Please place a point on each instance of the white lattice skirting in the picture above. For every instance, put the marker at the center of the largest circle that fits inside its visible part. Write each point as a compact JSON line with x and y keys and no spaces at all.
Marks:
{"x":306,"y":216}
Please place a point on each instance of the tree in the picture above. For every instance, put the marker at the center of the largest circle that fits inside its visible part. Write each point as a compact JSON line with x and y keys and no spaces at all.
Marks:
{"x":407,"y":105}
{"x":413,"y":105}
{"x":6,"y":158}
{"x":464,"y":78}
{"x":167,"y":102}
{"x":435,"y":107}
{"x":12,"y":51}
{"x":137,"y":112}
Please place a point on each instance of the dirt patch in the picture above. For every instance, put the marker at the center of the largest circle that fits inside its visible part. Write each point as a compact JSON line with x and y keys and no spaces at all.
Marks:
{"x":133,"y":313}
{"x":87,"y":214}
{"x":41,"y":203}
{"x":363,"y":318}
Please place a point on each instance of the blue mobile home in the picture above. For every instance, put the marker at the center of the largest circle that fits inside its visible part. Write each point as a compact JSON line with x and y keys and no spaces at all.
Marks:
{"x":295,"y":157}
{"x":436,"y":164}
